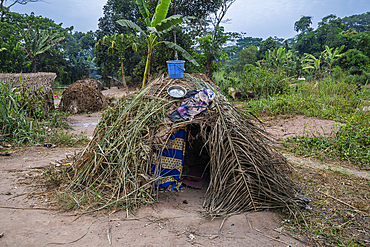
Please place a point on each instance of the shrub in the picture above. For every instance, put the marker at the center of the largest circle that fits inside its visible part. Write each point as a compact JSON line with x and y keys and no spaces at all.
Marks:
{"x":261,"y":81}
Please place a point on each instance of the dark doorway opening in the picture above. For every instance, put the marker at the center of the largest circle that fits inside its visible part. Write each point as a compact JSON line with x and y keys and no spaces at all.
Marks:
{"x":195,"y":173}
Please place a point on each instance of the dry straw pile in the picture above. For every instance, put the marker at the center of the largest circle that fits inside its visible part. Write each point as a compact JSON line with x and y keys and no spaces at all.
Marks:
{"x":246,"y":172}
{"x":80,"y":97}
{"x":92,"y":82}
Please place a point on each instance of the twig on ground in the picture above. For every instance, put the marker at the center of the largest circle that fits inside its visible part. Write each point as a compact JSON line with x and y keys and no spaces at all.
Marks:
{"x":109,"y":231}
{"x":222,"y":223}
{"x":74,"y":241}
{"x":9,"y":207}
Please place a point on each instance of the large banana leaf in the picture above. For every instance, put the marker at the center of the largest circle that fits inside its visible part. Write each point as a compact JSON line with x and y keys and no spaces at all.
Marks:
{"x":153,"y":30}
{"x":183,"y":52}
{"x":160,"y":12}
{"x":143,"y":11}
{"x":168,"y":23}
{"x":130,"y":24}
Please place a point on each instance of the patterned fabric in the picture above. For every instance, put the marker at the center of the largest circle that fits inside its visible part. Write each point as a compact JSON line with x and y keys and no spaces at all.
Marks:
{"x":171,"y":160}
{"x":194,"y":105}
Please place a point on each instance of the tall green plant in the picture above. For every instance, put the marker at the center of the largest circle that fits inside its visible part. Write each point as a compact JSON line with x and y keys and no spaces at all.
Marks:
{"x":155,"y":28}
{"x":37,"y":42}
{"x":277,"y":58}
{"x":118,"y":42}
{"x":313,"y":63}
{"x":331,"y":56}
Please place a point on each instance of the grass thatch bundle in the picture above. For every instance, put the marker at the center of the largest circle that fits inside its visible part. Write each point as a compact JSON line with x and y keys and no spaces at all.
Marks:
{"x":246,"y":172}
{"x":81,"y":98}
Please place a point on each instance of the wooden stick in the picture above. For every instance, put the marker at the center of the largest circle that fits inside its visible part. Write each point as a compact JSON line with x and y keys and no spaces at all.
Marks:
{"x":356,"y":209}
{"x":9,"y":207}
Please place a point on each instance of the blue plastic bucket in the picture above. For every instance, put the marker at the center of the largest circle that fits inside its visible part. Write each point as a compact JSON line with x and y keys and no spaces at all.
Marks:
{"x":176,"y":69}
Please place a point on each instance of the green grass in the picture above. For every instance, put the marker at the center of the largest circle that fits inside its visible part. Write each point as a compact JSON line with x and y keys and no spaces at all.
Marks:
{"x":330,"y":99}
{"x":24,"y":122}
{"x":351,"y":142}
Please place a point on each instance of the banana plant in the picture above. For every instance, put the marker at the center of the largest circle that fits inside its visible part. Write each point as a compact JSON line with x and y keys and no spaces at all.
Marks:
{"x":313,"y":63}
{"x":38,"y":42}
{"x":81,"y":64}
{"x":330,"y":56}
{"x":155,"y":27}
{"x":118,"y":42}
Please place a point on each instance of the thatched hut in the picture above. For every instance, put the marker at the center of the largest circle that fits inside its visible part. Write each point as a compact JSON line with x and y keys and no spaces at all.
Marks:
{"x":33,"y":84}
{"x":81,"y":97}
{"x":137,"y":149}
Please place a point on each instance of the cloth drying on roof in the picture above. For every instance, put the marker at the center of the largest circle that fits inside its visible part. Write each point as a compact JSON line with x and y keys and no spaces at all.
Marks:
{"x":196,"y":104}
{"x":171,"y":162}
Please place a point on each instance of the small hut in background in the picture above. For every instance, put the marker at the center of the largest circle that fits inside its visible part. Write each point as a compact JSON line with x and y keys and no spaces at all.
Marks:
{"x":80,"y":97}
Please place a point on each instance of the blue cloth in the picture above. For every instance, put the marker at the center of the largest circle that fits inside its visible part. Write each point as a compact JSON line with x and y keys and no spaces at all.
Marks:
{"x":171,"y":162}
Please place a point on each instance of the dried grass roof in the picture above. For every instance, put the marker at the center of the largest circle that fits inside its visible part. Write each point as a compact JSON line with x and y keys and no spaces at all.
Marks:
{"x":246,"y":172}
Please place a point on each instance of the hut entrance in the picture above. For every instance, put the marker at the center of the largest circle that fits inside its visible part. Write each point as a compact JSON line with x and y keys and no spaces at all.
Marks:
{"x":195,"y":173}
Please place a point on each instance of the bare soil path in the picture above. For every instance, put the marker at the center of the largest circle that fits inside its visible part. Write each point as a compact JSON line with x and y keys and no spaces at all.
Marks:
{"x":175,"y":220}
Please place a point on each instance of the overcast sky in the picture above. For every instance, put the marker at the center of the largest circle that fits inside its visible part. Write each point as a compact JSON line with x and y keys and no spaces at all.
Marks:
{"x":257,"y":18}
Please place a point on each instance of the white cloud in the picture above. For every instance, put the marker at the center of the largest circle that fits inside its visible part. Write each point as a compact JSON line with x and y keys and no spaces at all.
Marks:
{"x":82,"y":14}
{"x":277,"y":17}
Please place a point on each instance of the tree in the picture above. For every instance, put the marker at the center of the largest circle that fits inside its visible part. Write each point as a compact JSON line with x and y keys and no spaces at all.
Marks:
{"x":12,"y":57}
{"x":158,"y":26}
{"x":248,"y":55}
{"x":357,"y":22}
{"x":245,"y":42}
{"x":212,"y":42}
{"x":113,"y":11}
{"x":313,"y":63}
{"x":195,"y":8}
{"x":83,"y":65}
{"x":303,"y":25}
{"x":23,"y":2}
{"x":269,"y":44}
{"x":37,"y":42}
{"x":118,"y":42}
{"x":328,"y":33}
{"x":277,"y":58}
{"x":354,"y":59}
